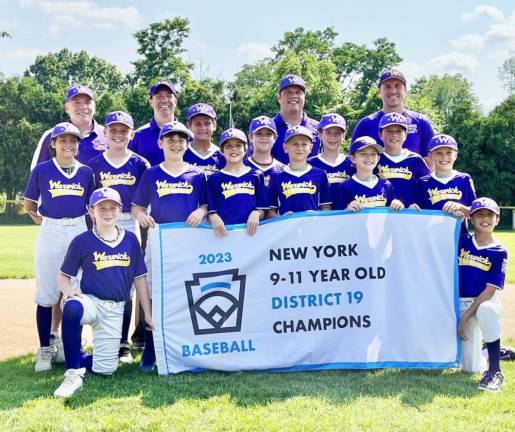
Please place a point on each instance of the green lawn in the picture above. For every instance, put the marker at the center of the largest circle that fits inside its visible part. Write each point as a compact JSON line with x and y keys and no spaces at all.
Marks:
{"x":16,"y":254}
{"x":381,"y":400}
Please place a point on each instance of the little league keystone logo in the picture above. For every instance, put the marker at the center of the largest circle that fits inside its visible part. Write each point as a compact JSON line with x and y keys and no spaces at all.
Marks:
{"x":215,"y":300}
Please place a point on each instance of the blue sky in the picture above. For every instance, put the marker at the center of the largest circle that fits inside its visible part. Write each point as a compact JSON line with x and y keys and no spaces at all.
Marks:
{"x":435,"y":37}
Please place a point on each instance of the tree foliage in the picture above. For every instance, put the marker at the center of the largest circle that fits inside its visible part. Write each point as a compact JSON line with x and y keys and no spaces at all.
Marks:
{"x":507,"y":75}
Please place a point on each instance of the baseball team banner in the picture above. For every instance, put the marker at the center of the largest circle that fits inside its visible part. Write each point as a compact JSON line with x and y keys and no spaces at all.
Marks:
{"x":323,"y":290}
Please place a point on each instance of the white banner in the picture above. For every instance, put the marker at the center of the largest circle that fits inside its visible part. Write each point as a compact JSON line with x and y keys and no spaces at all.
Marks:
{"x":324,"y":290}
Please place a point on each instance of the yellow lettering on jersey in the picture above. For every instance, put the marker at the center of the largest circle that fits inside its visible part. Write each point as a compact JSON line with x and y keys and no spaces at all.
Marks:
{"x":101,"y":260}
{"x":164,"y":188}
{"x":107,"y":179}
{"x":337,"y":177}
{"x":387,"y":172}
{"x":304,"y":187}
{"x":207,"y":169}
{"x":373,"y":201}
{"x":229,"y":189}
{"x":58,"y":189}
{"x":437,"y":195}
{"x":478,"y":261}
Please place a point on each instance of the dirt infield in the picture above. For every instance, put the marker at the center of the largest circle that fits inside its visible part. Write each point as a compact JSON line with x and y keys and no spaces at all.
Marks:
{"x":17,"y":312}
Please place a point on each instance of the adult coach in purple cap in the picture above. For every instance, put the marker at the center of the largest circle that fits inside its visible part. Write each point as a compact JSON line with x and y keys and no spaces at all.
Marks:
{"x":163,"y":100}
{"x":392,"y":89}
{"x":80,"y":107}
{"x":291,"y":97}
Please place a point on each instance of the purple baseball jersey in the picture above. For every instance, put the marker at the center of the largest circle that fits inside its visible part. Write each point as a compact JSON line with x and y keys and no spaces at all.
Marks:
{"x":278,"y":151}
{"x":60,"y":195}
{"x":210,"y":163}
{"x":402,"y":172}
{"x":298,"y":191}
{"x":171,"y":198}
{"x":420,"y":130}
{"x":480,"y":265}
{"x":375,"y":193}
{"x":123,"y":177}
{"x":145,"y":144}
{"x":433,"y":192}
{"x":337,"y":172}
{"x":108,"y":270}
{"x":274,"y":167}
{"x":90,"y":145}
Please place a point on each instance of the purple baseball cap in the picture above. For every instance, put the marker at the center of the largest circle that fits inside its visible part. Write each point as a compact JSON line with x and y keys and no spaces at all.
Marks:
{"x":262,"y":122}
{"x":65,"y":128}
{"x":201,"y":109}
{"x":232,"y":133}
{"x":297,"y":130}
{"x":105,"y":194}
{"x":388,"y":74}
{"x":291,"y":80}
{"x":78,"y":90}
{"x":484,"y":203}
{"x":332,"y":120}
{"x":166,"y":84}
{"x":393,"y":119}
{"x":442,"y":140}
{"x":364,"y":142}
{"x":175,"y":127}
{"x":119,"y":117}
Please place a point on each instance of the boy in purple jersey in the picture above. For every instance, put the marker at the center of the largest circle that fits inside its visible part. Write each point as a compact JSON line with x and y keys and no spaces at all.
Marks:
{"x":262,"y":135}
{"x":121,"y":169}
{"x":111,"y":261}
{"x":364,"y":189}
{"x":236,"y":194}
{"x":175,"y":192}
{"x":400,"y":166}
{"x":201,"y":151}
{"x":338,"y":166}
{"x":56,"y":198}
{"x":482,"y":265}
{"x":299,"y":186}
{"x":445,"y":189}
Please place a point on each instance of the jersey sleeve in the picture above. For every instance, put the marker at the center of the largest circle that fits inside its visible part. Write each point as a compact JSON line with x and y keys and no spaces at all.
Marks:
{"x":389,"y":192}
{"x":262,"y":196}
{"x":471,"y":192}
{"x":359,"y":130}
{"x":32,"y":190}
{"x":273,"y":195}
{"x":421,"y":168}
{"x":325,"y":196}
{"x":419,"y":194}
{"x":142,"y":195}
{"x":139,"y":262}
{"x":426,"y":135}
{"x":497,"y":274}
{"x":212,"y":189}
{"x":73,"y":259}
{"x":91,"y":185}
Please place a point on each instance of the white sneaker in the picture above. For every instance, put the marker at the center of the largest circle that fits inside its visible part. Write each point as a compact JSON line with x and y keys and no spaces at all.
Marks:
{"x":58,"y":350}
{"x":44,"y":359}
{"x":72,"y":383}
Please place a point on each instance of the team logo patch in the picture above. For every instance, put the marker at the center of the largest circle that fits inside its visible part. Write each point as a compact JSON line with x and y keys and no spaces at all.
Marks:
{"x":215,"y":301}
{"x":101,"y":260}
{"x":305,"y":187}
{"x":229,"y":189}
{"x":107,"y":179}
{"x":478,"y":261}
{"x":58,"y":189}
{"x":451,"y":193}
{"x":164,"y":188}
{"x":373,"y":201}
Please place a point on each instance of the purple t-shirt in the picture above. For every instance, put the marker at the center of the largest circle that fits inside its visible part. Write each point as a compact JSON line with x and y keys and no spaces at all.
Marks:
{"x":376,"y":193}
{"x":433,"y":192}
{"x":278,"y":151}
{"x":124,"y":176}
{"x":402,"y":172}
{"x":171,"y":198}
{"x":274,"y":167}
{"x":145,"y":144}
{"x":108,"y":270}
{"x":337,"y":172}
{"x":420,"y":130}
{"x":298,"y":191}
{"x":91,"y":145}
{"x":60,"y":195}
{"x":480,"y":265}
{"x":209,"y":164}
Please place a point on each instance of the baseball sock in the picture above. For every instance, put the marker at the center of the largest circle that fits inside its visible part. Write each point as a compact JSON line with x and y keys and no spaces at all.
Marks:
{"x":149,"y":356}
{"x":86,"y":361}
{"x":494,"y":355}
{"x":127,"y":314}
{"x":44,"y":323}
{"x":71,"y":329}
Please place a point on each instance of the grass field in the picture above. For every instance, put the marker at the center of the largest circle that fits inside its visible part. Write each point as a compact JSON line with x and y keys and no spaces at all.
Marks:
{"x":16,"y":254}
{"x":381,"y":400}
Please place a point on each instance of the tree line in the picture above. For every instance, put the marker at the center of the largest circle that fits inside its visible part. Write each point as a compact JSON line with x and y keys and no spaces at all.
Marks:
{"x":339,"y":77}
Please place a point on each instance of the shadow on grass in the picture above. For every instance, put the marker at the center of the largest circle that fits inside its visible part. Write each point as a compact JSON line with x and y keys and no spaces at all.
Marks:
{"x":415,"y":388}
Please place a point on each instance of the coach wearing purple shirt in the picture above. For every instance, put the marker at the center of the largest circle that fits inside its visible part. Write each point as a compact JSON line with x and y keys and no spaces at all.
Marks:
{"x":163,"y":100}
{"x":291,"y":97}
{"x":80,"y":107}
{"x":392,"y":89}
